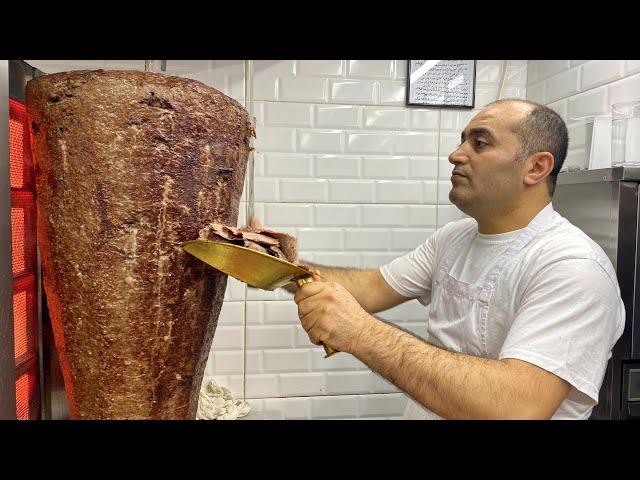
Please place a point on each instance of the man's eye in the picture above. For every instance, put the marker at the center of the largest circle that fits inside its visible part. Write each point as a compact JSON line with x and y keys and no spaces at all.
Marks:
{"x":480,"y":143}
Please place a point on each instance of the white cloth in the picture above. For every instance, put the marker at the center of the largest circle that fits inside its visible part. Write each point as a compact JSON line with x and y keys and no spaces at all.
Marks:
{"x":546,"y":294}
{"x":217,"y":403}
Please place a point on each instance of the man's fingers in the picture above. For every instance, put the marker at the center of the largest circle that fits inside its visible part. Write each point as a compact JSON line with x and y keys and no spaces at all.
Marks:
{"x":314,"y":336}
{"x":311,"y":304}
{"x":308,"y":321}
{"x":308,"y":290}
{"x":316,"y":275}
{"x":309,"y":325}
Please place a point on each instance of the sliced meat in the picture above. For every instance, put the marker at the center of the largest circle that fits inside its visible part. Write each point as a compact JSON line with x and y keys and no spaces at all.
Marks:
{"x":287,"y":242}
{"x":279,"y":244}
{"x":255,"y":246}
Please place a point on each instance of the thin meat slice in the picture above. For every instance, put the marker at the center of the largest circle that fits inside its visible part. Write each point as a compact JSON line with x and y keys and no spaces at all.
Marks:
{"x":255,"y":246}
{"x":278,"y":244}
{"x":287,"y":243}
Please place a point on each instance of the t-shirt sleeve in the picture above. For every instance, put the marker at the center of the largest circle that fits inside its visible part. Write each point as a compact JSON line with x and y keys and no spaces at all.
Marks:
{"x":411,"y":274}
{"x":570,"y":316}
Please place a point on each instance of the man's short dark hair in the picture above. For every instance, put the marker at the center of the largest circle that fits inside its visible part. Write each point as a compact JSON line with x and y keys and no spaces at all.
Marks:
{"x":542,"y":130}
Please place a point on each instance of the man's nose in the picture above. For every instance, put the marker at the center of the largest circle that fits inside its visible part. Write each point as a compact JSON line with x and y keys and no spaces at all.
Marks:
{"x":458,"y":155}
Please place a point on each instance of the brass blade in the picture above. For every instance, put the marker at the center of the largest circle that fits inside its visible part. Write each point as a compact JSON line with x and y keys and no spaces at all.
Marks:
{"x":252,"y":267}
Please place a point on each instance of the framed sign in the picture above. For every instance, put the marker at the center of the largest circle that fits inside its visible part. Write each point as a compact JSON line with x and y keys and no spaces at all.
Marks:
{"x":441,"y":83}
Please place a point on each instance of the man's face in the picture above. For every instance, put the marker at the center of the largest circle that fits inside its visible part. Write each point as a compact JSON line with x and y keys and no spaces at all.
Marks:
{"x":485,"y":174}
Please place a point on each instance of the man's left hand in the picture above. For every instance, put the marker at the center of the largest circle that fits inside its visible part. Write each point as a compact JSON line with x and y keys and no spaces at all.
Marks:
{"x":331,"y":316}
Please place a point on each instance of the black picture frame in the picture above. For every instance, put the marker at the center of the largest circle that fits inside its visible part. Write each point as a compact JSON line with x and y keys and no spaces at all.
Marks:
{"x":409,"y":103}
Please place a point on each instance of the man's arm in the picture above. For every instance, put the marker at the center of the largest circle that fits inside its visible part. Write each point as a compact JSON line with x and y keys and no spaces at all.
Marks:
{"x":449,"y":384}
{"x":458,"y":386}
{"x":368,"y":287}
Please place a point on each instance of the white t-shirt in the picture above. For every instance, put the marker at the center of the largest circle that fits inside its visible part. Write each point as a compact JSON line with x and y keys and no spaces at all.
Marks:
{"x":556,"y":305}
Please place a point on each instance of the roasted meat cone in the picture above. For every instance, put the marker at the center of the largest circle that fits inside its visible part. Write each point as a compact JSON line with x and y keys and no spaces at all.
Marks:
{"x":128,"y":166}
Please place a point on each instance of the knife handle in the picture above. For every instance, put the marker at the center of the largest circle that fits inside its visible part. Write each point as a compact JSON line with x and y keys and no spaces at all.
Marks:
{"x":299,"y":282}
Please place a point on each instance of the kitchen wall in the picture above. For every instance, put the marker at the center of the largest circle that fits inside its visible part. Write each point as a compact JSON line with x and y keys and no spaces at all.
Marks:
{"x":581,"y":88}
{"x":360,"y":179}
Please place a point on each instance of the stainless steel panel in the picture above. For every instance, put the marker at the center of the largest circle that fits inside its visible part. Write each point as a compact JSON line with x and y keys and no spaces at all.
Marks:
{"x":634,"y":333}
{"x":7,"y":361}
{"x":593,"y":208}
{"x":614,"y":174}
{"x":18,"y":73}
{"x":607,"y":210}
{"x":54,"y":397}
{"x":626,"y":258}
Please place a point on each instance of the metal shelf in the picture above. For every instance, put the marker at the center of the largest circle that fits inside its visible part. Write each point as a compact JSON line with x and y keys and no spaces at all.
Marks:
{"x":613,"y":174}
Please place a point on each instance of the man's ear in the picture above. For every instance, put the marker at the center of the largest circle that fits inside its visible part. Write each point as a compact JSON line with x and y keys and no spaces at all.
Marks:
{"x":538,"y":167}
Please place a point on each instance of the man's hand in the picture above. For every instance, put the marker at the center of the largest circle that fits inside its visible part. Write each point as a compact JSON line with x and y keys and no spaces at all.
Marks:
{"x":331,"y":316}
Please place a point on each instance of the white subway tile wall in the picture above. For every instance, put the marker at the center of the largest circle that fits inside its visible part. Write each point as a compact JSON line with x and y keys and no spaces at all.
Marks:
{"x":631,"y":66}
{"x":391,"y":92}
{"x":563,"y":84}
{"x":360,"y":179}
{"x":578,"y":89}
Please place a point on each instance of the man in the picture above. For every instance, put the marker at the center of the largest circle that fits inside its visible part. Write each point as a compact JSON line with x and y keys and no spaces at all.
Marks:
{"x":523,"y":307}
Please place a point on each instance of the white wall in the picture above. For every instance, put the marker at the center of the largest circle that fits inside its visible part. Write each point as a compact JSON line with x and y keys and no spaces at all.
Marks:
{"x":580,"y":88}
{"x":360,"y":179}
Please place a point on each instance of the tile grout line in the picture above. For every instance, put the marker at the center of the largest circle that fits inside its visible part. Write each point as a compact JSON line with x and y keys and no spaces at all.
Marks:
{"x":438,"y":164}
{"x":249,"y":210}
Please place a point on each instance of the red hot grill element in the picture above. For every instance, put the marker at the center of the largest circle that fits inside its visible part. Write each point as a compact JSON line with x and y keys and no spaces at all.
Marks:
{"x":16,"y":148}
{"x":20,"y":329}
{"x":27,"y":395}
{"x":17,"y":240}
{"x":20,"y":164}
{"x":23,"y":233}
{"x":25,"y":319}
{"x":23,"y":243}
